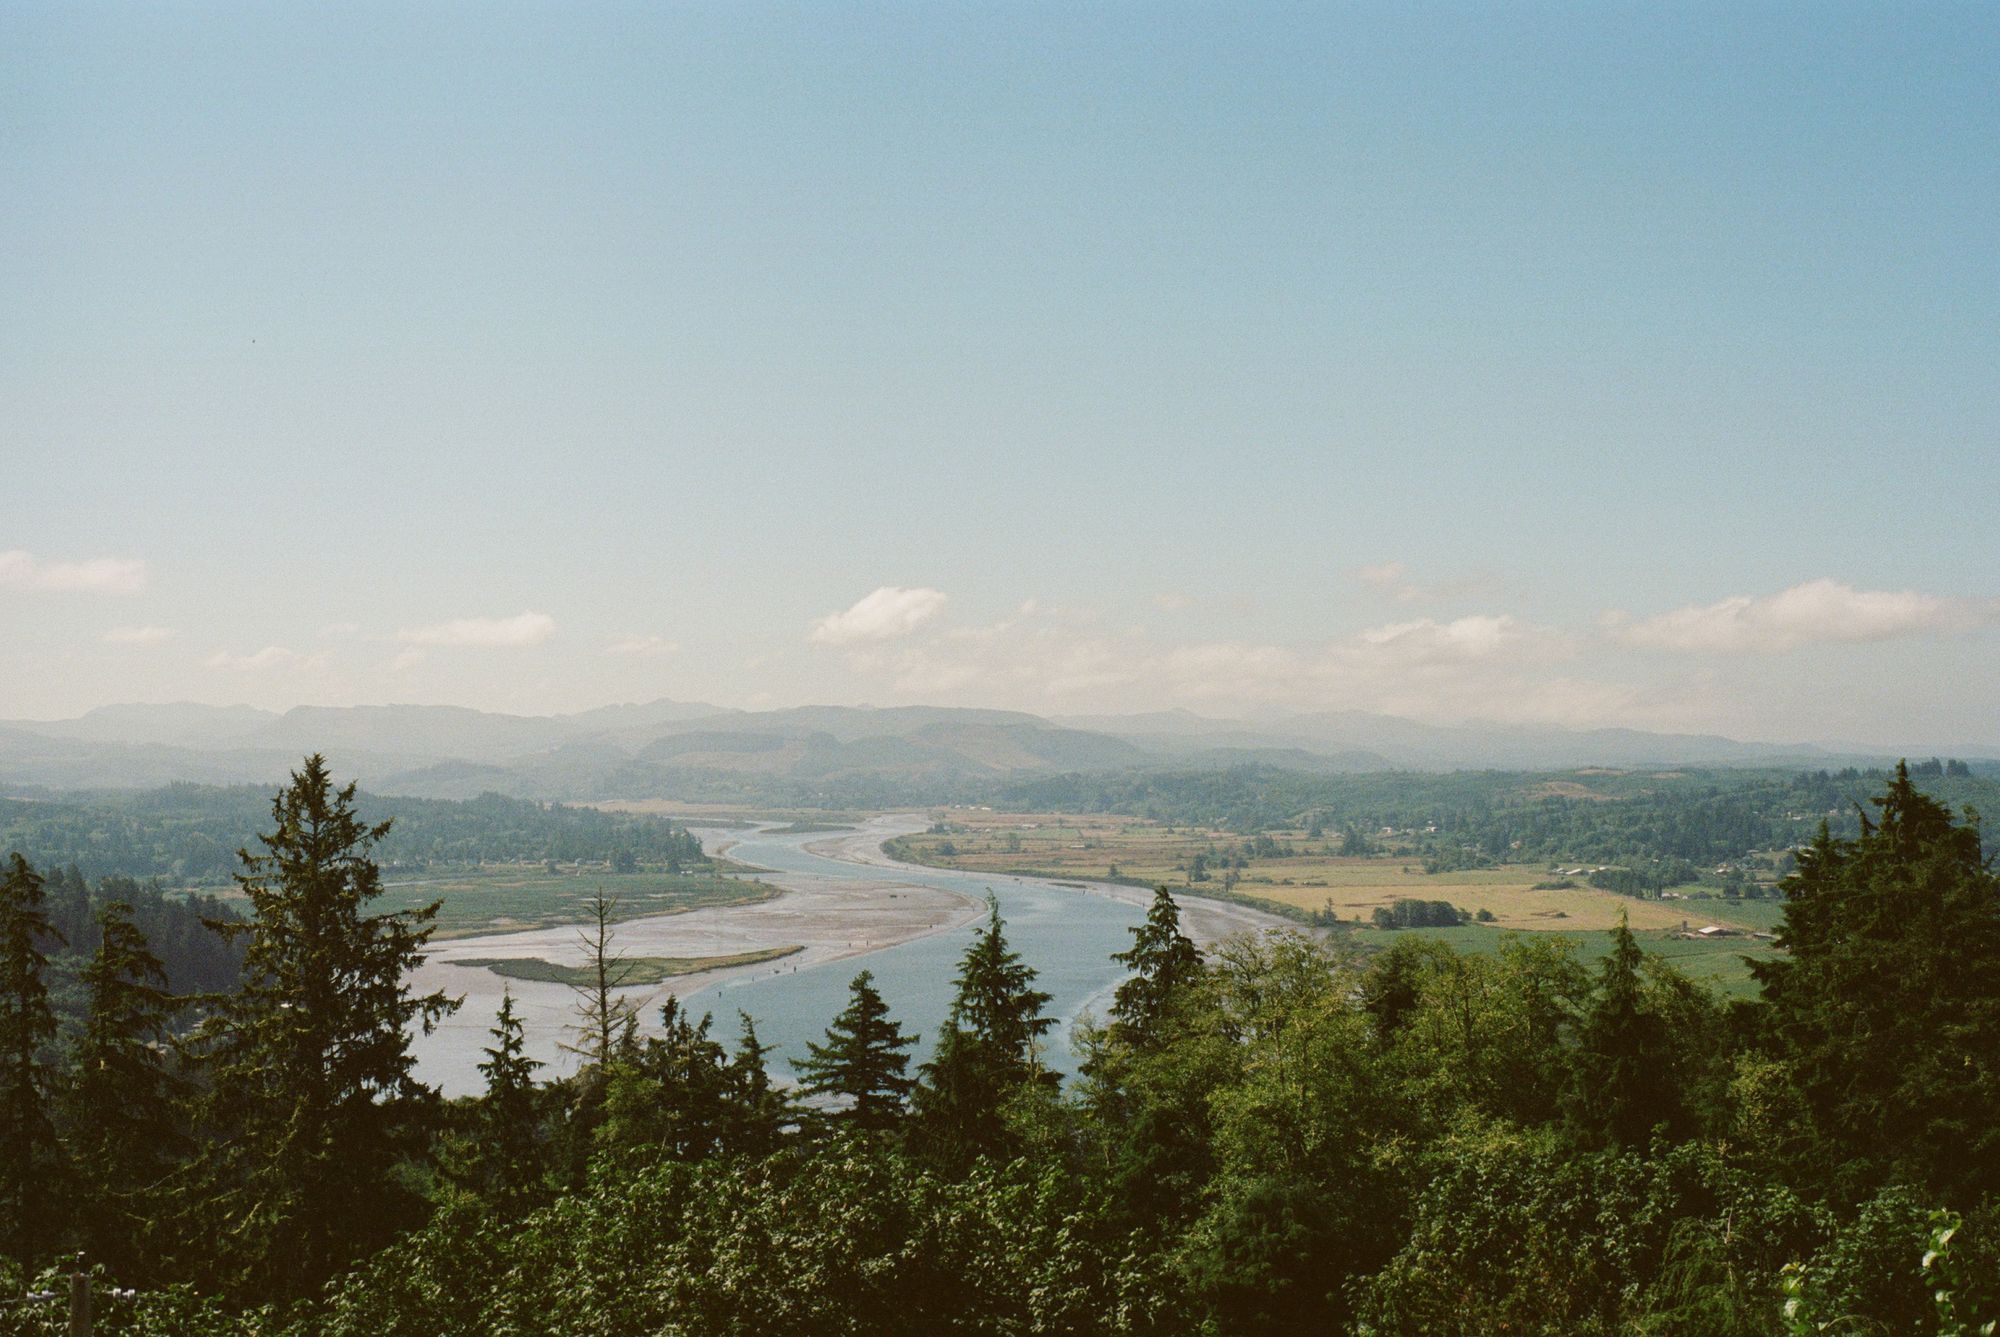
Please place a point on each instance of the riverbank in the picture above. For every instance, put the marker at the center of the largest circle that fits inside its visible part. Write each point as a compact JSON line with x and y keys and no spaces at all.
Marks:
{"x":826,"y":918}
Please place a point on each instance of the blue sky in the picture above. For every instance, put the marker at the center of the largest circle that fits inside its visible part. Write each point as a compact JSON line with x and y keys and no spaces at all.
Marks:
{"x":1588,"y":364}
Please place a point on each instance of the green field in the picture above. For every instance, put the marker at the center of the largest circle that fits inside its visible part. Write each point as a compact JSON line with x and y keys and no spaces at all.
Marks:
{"x":1718,"y":964}
{"x":632,"y":970}
{"x":505,"y":899}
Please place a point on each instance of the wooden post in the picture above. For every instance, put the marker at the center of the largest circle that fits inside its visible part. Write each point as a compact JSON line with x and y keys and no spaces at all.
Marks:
{"x":79,"y":1301}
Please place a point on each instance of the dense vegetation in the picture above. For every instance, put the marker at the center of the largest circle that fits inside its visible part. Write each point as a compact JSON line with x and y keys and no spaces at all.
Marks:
{"x":1462,"y":818}
{"x":190,"y":834}
{"x":1284,"y":1137}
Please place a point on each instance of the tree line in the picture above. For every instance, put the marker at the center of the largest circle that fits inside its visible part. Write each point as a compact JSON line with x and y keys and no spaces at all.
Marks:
{"x":1284,"y":1135}
{"x":1689,"y":820}
{"x":190,"y":834}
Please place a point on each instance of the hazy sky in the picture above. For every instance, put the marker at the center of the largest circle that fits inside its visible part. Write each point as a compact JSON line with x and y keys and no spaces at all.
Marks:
{"x":1591,"y":364}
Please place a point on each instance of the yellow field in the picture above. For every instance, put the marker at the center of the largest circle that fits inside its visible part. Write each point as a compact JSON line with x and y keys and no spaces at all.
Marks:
{"x":1085,"y":847}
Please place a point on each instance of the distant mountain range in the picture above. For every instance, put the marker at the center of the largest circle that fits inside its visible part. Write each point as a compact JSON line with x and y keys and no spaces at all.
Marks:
{"x":672,"y":749}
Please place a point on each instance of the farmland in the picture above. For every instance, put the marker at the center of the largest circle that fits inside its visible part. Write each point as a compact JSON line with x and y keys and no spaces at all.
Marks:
{"x":1299,"y":872}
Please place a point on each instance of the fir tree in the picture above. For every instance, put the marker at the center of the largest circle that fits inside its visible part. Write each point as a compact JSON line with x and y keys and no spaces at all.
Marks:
{"x":758,"y":1110}
{"x":1624,"y":1067}
{"x":312,"y":1090}
{"x":861,"y":1061}
{"x":510,"y":1169}
{"x":1164,"y":962}
{"x":988,"y":1050}
{"x":28,"y":1158}
{"x":123,"y":1122}
{"x":1886,"y":1010}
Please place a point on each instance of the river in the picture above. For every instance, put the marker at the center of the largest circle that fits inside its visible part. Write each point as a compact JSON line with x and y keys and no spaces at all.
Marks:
{"x":850,"y":908}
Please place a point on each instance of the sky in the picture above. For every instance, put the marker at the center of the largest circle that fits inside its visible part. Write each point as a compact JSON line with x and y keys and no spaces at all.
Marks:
{"x":1569,"y":364}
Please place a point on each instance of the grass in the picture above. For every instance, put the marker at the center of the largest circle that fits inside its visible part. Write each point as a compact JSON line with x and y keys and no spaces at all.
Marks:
{"x":1719,"y":964}
{"x":510,"y":898}
{"x":632,"y":970}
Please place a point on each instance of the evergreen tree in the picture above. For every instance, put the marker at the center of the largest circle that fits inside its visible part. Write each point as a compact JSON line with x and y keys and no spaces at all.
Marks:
{"x":758,"y":1110}
{"x":670,"y":1093}
{"x":1164,"y":962}
{"x":510,"y":1168}
{"x":1887,"y":1008}
{"x":123,"y":1123}
{"x":28,"y":1158}
{"x":1624,"y":1067}
{"x":988,"y":1050}
{"x":312,"y":1097}
{"x":861,"y":1060}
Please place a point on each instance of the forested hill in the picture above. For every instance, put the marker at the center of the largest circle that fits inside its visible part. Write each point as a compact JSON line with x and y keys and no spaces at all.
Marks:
{"x":1594,"y":815}
{"x":189,"y":834}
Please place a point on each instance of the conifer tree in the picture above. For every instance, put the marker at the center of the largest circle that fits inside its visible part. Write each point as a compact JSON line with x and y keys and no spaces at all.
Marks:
{"x":1164,"y":962}
{"x":312,"y":1098}
{"x":28,"y":1157}
{"x":758,"y":1110}
{"x":861,"y":1061}
{"x":989,"y":1048}
{"x":510,"y":1144}
{"x":1624,"y":1069}
{"x":123,"y":1123}
{"x":1886,"y":1009}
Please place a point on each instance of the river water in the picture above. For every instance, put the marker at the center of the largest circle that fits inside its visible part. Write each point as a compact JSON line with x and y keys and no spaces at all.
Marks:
{"x":1066,"y":934}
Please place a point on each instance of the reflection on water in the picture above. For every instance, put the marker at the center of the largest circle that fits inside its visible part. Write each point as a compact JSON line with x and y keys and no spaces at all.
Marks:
{"x":1068,"y":937}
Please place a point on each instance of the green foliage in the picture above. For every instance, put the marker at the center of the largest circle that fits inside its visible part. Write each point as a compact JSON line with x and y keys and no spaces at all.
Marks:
{"x":1887,"y":1011}
{"x":1165,"y":965}
{"x":28,"y":1159}
{"x":990,"y":1047}
{"x":1284,"y":1137}
{"x":189,"y":834}
{"x":311,"y":1103}
{"x":509,"y":1157}
{"x":862,"y":1064}
{"x":1410,"y":913}
{"x":122,"y":1101}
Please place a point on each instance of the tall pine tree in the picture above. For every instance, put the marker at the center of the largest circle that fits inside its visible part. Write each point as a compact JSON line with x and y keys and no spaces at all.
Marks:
{"x":1624,"y":1067}
{"x":989,"y":1049}
{"x":312,"y":1103}
{"x":1886,"y":1009}
{"x":28,"y":1156}
{"x":510,"y":1148}
{"x":123,"y":1124}
{"x":861,"y":1062}
{"x":1164,"y":962}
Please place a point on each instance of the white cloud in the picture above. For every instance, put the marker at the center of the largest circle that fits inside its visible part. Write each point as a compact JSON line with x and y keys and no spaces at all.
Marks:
{"x":484,"y":632}
{"x":1476,"y":637}
{"x":1173,"y":601}
{"x":340,"y":631}
{"x":643,"y":647}
{"x":406,"y":660}
{"x":888,"y":613}
{"x":1488,"y":666}
{"x":22,"y":570}
{"x":139,"y":635}
{"x":270,"y":657}
{"x":1819,"y":611}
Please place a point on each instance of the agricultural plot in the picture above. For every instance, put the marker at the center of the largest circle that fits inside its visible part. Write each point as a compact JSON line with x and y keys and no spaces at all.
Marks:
{"x":1311,"y":878}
